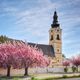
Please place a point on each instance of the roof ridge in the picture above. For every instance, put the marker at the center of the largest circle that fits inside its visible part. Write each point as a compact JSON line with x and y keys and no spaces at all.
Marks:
{"x":37,"y":43}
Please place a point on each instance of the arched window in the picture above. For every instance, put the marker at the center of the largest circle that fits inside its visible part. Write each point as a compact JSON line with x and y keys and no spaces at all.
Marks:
{"x":58,"y":38}
{"x":51,"y":37}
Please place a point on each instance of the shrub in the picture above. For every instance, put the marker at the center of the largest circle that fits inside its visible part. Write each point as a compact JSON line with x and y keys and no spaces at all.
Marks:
{"x":49,"y":79}
{"x":73,"y":68}
{"x":65,"y":69}
{"x":33,"y":78}
{"x":64,"y":76}
{"x":15,"y":79}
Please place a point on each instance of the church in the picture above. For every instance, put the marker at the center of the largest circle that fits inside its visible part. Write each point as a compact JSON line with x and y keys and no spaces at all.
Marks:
{"x":54,"y":50}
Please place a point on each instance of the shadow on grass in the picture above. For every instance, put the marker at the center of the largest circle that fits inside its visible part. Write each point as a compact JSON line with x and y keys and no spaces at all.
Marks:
{"x":13,"y":77}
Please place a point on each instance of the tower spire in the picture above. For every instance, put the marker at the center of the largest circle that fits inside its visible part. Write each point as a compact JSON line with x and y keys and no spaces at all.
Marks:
{"x":55,"y":20}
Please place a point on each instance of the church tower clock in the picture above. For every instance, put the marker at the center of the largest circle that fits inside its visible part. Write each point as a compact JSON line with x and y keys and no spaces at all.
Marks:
{"x":55,"y":38}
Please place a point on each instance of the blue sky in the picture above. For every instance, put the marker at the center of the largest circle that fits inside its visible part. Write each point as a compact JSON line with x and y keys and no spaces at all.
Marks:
{"x":31,"y":20}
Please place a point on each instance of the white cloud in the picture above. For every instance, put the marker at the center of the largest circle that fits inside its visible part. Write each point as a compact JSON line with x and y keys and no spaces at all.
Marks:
{"x":33,"y":24}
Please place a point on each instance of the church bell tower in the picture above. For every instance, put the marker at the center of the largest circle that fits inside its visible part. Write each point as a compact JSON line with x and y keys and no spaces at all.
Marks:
{"x":55,"y":37}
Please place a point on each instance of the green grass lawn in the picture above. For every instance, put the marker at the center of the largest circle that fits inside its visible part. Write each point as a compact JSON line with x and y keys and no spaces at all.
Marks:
{"x":57,"y":78}
{"x":48,"y":76}
{"x":54,"y":76}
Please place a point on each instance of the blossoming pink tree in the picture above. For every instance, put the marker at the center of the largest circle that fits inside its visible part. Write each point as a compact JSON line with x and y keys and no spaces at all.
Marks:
{"x":31,"y":56}
{"x":66,"y":63}
{"x":76,"y":61}
{"x":7,"y":57}
{"x":20,"y":55}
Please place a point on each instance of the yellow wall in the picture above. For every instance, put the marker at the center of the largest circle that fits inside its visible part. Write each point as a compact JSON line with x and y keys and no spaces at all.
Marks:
{"x":57,"y":45}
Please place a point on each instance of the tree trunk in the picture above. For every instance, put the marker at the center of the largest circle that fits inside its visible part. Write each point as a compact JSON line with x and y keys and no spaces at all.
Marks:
{"x":26,"y":71}
{"x":77,"y":69}
{"x":8,"y":71}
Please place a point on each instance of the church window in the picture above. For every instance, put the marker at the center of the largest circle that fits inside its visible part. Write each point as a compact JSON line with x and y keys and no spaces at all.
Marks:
{"x":51,"y":30}
{"x":51,"y":37}
{"x":57,"y":30}
{"x":58,"y":38}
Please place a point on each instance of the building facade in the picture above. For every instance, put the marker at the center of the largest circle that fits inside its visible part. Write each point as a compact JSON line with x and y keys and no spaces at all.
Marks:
{"x":55,"y":40}
{"x":54,"y":49}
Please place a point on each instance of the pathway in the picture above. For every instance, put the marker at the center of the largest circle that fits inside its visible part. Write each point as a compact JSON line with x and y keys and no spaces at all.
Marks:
{"x":70,"y":79}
